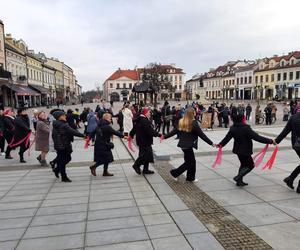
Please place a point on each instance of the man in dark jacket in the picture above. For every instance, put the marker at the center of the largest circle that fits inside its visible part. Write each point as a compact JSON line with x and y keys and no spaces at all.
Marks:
{"x":243,"y":146}
{"x":248,"y":111}
{"x":8,"y":130}
{"x":83,"y":118}
{"x":167,"y":116}
{"x":293,"y":126}
{"x":22,"y":130}
{"x":62,"y":135}
{"x":268,"y":112}
{"x":144,"y":138}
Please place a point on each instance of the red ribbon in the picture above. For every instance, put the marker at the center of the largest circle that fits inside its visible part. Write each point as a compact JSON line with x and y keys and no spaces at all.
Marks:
{"x":260,"y":156}
{"x":87,"y":142}
{"x":161,"y":138}
{"x":270,"y":162}
{"x":26,"y":139}
{"x":130,"y":144}
{"x":218,"y":160}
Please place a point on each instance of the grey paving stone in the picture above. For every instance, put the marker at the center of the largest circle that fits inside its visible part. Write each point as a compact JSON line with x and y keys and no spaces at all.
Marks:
{"x":291,"y":207}
{"x":215,"y":185}
{"x":17,"y":213}
{"x":11,"y":234}
{"x":188,"y":222}
{"x":27,"y":192}
{"x":152,"y":209}
{"x":14,"y":223}
{"x":58,"y":219}
{"x":201,"y":241}
{"x":273,"y":193}
{"x":143,"y":194}
{"x":162,"y":188}
{"x":115,"y":223}
{"x":174,"y":243}
{"x":173,"y":202}
{"x":139,"y":245}
{"x":19,"y":205}
{"x":62,"y":209}
{"x":147,"y":201}
{"x":155,"y":179}
{"x":111,"y":197}
{"x":233,"y":197}
{"x":116,"y":236}
{"x":258,"y":214}
{"x":109,"y":185}
{"x":65,"y":201}
{"x":110,"y":191}
{"x":163,"y":230}
{"x":55,"y":230}
{"x":111,"y":204}
{"x":113,"y":213}
{"x":8,"y":245}
{"x":156,"y":219}
{"x":67,"y":195}
{"x":281,"y":236}
{"x":45,"y":186}
{"x":69,"y":189}
{"x":35,"y":197}
{"x":51,"y":243}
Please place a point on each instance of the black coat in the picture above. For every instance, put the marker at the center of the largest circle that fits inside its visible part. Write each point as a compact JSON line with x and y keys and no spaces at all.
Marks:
{"x":293,"y":125}
{"x":189,"y":139}
{"x":144,"y":132}
{"x":22,"y":127}
{"x":71,"y":120}
{"x":102,"y":149}
{"x":9,"y":127}
{"x":62,"y":135}
{"x":243,"y":136}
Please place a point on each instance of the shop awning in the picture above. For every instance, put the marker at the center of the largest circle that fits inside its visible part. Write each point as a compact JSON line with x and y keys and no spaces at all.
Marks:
{"x":40,"y":89}
{"x":22,"y":90}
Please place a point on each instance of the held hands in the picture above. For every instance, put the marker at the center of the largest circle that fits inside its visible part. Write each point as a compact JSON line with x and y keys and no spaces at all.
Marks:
{"x":161,"y":138}
{"x":274,"y":142}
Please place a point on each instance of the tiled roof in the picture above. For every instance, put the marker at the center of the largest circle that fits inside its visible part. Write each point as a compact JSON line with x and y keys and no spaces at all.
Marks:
{"x":131,"y":74}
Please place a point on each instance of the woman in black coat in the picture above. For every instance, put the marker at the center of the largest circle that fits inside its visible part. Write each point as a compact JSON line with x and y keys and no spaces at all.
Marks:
{"x":103,"y":146}
{"x":8,"y":130}
{"x":243,"y":146}
{"x":188,"y":132}
{"x":293,"y":126}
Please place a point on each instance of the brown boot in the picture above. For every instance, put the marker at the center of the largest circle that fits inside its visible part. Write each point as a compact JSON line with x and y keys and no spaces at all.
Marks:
{"x":106,"y":173}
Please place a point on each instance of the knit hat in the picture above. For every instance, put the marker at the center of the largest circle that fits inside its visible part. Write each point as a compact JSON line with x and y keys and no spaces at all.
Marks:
{"x":145,"y":111}
{"x":58,"y":114}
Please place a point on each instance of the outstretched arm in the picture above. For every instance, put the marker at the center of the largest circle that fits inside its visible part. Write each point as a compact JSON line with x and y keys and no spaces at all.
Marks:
{"x":287,"y":129}
{"x":259,"y":138}
{"x":72,"y":131}
{"x":226,"y":139}
{"x":200,"y":133}
{"x":172,"y":133}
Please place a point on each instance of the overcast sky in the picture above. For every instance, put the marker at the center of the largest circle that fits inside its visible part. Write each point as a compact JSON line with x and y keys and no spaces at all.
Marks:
{"x":95,"y":37}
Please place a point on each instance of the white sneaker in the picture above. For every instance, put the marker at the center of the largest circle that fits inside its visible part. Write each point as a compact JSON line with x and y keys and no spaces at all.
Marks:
{"x":175,"y":179}
{"x":3,"y":154}
{"x":196,"y":180}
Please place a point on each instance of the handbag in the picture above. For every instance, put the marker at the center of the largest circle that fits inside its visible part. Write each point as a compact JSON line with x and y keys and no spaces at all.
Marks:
{"x":297,"y":144}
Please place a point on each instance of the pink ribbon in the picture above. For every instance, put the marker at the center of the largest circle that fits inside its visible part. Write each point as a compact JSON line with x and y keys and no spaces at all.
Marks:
{"x":260,"y":156}
{"x":161,"y":138}
{"x":270,"y":162}
{"x":218,"y":160}
{"x":87,"y":142}
{"x":130,"y":144}
{"x":26,"y":139}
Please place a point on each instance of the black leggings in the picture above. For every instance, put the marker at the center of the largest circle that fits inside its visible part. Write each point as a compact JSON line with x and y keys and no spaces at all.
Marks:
{"x":105,"y":166}
{"x":247,"y":164}
{"x":296,"y":171}
{"x":2,"y":143}
{"x":166,"y":124}
{"x":189,"y":165}
{"x":63,"y":158}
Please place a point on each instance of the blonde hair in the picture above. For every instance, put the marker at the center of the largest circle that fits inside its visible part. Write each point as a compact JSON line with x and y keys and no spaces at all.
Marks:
{"x":106,"y":116}
{"x":186,"y":123}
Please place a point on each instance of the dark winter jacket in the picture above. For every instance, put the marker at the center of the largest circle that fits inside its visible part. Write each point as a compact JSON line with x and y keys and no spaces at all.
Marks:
{"x":9,"y":127}
{"x":144,"y":132}
{"x":189,"y":139}
{"x":293,"y":125}
{"x":71,"y":120}
{"x":22,"y":127}
{"x":248,"y":110}
{"x":157,"y":116}
{"x":243,"y":136}
{"x":62,"y":135}
{"x":103,"y":146}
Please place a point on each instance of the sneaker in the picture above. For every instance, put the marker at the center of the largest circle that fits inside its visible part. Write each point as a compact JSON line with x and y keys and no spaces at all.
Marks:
{"x":2,"y":153}
{"x":148,"y":172}
{"x":22,"y":161}
{"x":174,"y":178}
{"x":196,"y":180}
{"x":8,"y":157}
{"x":66,"y":179}
{"x":241,"y":184}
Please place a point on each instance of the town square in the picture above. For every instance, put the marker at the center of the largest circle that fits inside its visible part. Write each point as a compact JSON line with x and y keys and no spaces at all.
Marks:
{"x":139,"y":131}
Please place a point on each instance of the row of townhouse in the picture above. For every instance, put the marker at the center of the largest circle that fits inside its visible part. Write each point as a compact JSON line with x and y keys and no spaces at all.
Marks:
{"x":32,"y":79}
{"x":268,"y":78}
{"x":119,"y":85}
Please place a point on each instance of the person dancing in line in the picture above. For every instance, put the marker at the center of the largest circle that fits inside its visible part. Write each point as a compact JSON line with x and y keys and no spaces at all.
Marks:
{"x":8,"y":132}
{"x":144,"y":132}
{"x":62,"y":135}
{"x":103,"y":146}
{"x":293,"y":125}
{"x":188,"y":132}
{"x":42,"y":137}
{"x":243,"y":146}
{"x":2,"y":139}
{"x":51,"y":143}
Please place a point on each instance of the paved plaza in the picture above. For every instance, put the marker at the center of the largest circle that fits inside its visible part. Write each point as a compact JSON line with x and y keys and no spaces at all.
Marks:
{"x":128,"y":211}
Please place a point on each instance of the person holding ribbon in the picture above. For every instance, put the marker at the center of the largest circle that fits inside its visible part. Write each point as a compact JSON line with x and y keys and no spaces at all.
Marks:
{"x":293,"y":125}
{"x":243,"y":146}
{"x":188,"y":132}
{"x":22,"y":133}
{"x":144,"y":132}
{"x":8,"y":132}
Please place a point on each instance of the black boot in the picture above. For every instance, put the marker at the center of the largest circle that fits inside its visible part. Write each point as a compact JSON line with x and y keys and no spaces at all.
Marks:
{"x":22,"y":159}
{"x":137,"y":169}
{"x":65,"y":179}
{"x":298,"y":188}
{"x":56,"y":172}
{"x":239,"y":178}
{"x":146,"y":169}
{"x":289,"y":182}
{"x":39,"y":158}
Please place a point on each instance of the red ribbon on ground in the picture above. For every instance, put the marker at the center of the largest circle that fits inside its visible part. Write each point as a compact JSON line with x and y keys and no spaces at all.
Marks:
{"x":87,"y":142}
{"x":260,"y":156}
{"x":218,"y":160}
{"x":270,"y":162}
{"x":26,"y":139}
{"x":130,"y":144}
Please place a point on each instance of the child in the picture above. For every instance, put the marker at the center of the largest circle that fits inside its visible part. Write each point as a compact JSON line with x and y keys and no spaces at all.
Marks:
{"x":243,"y":146}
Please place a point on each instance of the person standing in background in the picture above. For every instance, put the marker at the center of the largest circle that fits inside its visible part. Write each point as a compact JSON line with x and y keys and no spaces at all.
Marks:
{"x":42,"y":138}
{"x":248,"y":111}
{"x":127,"y":119}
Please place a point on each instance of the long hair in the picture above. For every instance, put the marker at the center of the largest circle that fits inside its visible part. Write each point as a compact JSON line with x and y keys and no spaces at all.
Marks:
{"x":186,"y":123}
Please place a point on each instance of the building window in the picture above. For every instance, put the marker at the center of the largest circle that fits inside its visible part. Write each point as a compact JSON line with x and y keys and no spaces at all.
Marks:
{"x":242,"y":80}
{"x":250,"y":79}
{"x":278,"y":77}
{"x":111,"y":85}
{"x":175,"y":86}
{"x":272,"y":78}
{"x":256,"y":79}
{"x":180,"y":78}
{"x":180,"y":86}
{"x":284,"y":76}
{"x":292,"y":62}
{"x":124,"y":85}
{"x":291,"y":75}
{"x":267,"y":78}
{"x":261,"y":79}
{"x":130,"y":85}
{"x":171,"y":78}
{"x":175,"y":78}
{"x":118,"y":85}
{"x":238,"y":80}
{"x":232,"y":82}
{"x":246,"y":80}
{"x":297,"y":75}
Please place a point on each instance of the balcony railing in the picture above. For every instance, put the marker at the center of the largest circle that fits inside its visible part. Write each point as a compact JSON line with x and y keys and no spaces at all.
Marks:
{"x":4,"y":73}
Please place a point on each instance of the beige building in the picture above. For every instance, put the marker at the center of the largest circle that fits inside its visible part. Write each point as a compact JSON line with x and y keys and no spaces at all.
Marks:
{"x":2,"y":48}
